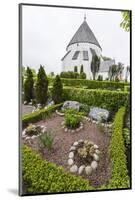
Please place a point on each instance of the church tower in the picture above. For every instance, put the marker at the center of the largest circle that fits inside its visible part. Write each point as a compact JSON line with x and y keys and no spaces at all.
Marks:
{"x":80,"y":50}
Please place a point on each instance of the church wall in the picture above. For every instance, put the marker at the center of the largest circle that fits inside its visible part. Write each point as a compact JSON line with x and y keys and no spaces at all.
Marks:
{"x":68,"y":64}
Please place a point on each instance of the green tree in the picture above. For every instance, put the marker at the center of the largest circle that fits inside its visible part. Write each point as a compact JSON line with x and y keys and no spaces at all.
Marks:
{"x":115,"y":72}
{"x":28,"y":85}
{"x":57,"y":90}
{"x":52,"y":74}
{"x":119,"y":70}
{"x":95,"y":64}
{"x":127,"y":73}
{"x":125,"y":24}
{"x":75,"y":69}
{"x":106,"y":58}
{"x":81,"y":70}
{"x":112,"y":72}
{"x":41,"y":86}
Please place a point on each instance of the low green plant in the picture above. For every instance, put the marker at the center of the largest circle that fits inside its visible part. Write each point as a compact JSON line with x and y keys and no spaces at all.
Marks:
{"x":41,"y":176}
{"x":46,"y":139}
{"x":72,"y":118}
{"x":87,"y":150}
{"x":33,"y":130}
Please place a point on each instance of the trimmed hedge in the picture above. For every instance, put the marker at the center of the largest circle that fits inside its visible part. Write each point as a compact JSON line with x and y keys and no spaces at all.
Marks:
{"x":91,"y":84}
{"x":41,"y":176}
{"x":119,"y":178}
{"x":127,"y":88}
{"x":111,"y":100}
{"x":39,"y":115}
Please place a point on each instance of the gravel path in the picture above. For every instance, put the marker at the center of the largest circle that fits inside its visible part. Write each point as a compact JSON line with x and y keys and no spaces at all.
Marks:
{"x":64,"y":140}
{"x":26,"y":109}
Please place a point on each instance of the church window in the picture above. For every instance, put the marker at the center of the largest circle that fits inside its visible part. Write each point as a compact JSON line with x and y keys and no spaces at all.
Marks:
{"x":85,"y":55}
{"x":75,"y":56}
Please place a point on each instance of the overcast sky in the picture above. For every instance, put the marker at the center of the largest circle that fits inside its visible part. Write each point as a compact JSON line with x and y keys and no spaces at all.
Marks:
{"x":47,"y":31}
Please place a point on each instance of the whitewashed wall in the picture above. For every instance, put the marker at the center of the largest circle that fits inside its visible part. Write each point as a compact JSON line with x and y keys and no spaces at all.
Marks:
{"x":68,"y":64}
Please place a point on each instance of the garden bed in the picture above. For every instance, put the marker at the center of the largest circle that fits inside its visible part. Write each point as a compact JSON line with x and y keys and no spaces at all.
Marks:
{"x":63,"y":141}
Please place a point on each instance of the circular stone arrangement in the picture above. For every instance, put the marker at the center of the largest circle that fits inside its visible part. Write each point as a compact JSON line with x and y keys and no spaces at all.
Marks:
{"x":59,"y":113}
{"x":27,"y":137}
{"x":72,"y":130}
{"x":88,"y":161}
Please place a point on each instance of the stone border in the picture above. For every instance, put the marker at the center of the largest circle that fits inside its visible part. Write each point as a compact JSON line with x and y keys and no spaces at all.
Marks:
{"x":26,"y":137}
{"x":106,"y":125}
{"x":82,"y":169}
{"x":72,"y":130}
{"x":59,"y":113}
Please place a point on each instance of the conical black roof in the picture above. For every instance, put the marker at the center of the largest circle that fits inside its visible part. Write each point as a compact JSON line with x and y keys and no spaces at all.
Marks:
{"x":84,"y":34}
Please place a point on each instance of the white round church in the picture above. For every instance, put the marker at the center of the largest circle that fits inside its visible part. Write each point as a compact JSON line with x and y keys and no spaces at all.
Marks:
{"x":80,"y":50}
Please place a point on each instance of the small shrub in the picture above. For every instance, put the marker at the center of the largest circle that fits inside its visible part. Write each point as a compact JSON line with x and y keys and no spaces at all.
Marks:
{"x":28,"y":85}
{"x":46,"y":139}
{"x":84,"y":108}
{"x":33,"y":130}
{"x":82,"y":75}
{"x":100,"y":78}
{"x":72,"y":118}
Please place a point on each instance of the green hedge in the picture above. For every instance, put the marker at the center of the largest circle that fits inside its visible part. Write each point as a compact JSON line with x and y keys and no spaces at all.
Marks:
{"x":111,"y":100}
{"x":91,"y":84}
{"x":127,"y":88}
{"x":39,"y":115}
{"x":119,"y":178}
{"x":41,"y":176}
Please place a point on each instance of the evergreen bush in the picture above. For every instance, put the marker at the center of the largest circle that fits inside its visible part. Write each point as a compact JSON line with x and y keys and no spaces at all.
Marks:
{"x":41,"y":86}
{"x":57,"y":90}
{"x":82,"y":75}
{"x":28,"y":85}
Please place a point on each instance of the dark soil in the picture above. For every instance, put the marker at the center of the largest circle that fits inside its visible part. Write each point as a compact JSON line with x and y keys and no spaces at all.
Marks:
{"x":64,"y":140}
